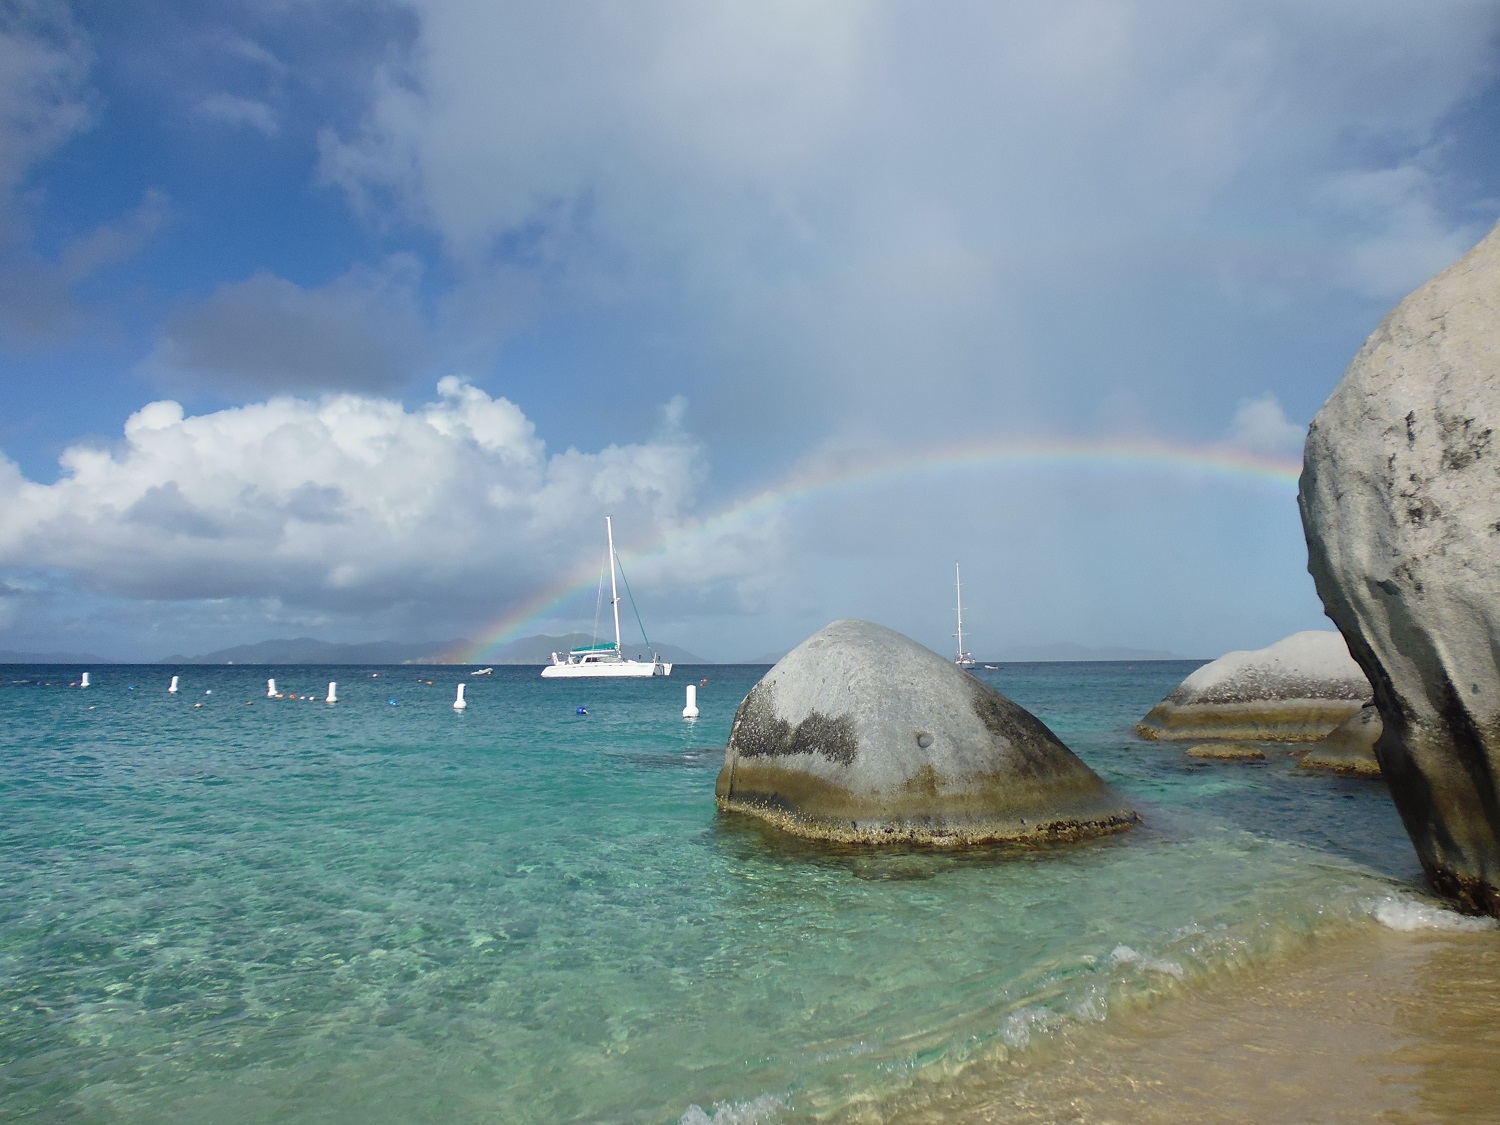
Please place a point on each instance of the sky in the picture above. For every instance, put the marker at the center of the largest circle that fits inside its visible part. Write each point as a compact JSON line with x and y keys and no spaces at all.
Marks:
{"x":354,"y":320}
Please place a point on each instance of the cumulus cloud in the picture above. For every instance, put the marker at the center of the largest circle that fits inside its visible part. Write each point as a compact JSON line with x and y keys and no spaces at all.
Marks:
{"x":1261,"y":426}
{"x":363,"y":331}
{"x":348,"y":502}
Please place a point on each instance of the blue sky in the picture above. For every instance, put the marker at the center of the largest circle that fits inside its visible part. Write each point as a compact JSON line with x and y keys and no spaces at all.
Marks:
{"x":434,"y":286}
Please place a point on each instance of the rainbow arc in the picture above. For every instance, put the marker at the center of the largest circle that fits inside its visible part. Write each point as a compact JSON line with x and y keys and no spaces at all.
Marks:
{"x":829,"y":481}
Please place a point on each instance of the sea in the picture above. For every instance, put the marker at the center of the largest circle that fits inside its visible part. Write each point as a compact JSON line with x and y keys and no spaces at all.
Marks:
{"x":218,"y":906}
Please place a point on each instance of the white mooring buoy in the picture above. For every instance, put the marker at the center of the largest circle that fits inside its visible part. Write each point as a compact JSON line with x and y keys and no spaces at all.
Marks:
{"x":691,"y":710}
{"x":460,"y":703}
{"x":85,"y":681}
{"x":270,"y":689}
{"x":172,"y":687}
{"x":333,"y":692}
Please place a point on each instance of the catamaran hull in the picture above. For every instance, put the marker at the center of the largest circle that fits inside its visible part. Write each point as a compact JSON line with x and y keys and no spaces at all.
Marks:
{"x":626,"y":668}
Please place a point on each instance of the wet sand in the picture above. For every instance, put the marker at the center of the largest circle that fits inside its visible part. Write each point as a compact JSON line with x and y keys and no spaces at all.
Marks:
{"x":1379,"y":1026}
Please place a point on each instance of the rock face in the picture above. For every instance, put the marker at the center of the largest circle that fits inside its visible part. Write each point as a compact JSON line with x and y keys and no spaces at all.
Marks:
{"x":860,"y":734}
{"x":1400,"y":500}
{"x":1296,"y":690}
{"x":1350,"y":748}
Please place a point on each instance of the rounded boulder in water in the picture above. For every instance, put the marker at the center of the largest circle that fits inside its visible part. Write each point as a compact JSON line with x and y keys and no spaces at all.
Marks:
{"x":1296,"y":690}
{"x":860,"y":734}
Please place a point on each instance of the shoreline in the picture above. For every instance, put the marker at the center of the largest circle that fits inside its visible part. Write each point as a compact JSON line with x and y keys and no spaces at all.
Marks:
{"x":1379,"y":1024}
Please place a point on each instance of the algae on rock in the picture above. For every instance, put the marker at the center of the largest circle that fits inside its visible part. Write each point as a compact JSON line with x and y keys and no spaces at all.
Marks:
{"x":1296,"y":690}
{"x":860,"y":734}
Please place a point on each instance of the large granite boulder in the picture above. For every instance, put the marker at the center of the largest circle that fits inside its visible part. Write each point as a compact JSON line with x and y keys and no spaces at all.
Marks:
{"x":860,"y":734}
{"x":1296,"y":690}
{"x":1350,"y":749}
{"x":1400,"y":500}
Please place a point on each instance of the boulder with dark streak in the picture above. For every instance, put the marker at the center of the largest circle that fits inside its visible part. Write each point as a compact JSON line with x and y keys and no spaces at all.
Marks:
{"x":860,"y":734}
{"x":1296,"y":690}
{"x":1400,"y":501}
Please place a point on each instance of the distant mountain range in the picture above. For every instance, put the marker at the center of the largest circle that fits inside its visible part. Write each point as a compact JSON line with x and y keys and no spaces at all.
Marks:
{"x":527,"y":650}
{"x":306,"y":650}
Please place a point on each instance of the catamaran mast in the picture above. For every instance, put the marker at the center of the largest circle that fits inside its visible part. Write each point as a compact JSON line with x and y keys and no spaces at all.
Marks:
{"x":614,"y":594}
{"x":958,"y":584}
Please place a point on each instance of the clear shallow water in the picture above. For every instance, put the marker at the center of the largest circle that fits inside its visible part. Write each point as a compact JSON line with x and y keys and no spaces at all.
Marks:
{"x":279,"y":910}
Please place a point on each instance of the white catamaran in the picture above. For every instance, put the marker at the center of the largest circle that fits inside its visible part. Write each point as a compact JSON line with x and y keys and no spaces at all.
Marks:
{"x":607,"y":659}
{"x":963,"y":659}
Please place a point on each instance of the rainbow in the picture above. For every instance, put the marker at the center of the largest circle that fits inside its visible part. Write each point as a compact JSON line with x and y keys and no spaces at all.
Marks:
{"x":819,"y":485}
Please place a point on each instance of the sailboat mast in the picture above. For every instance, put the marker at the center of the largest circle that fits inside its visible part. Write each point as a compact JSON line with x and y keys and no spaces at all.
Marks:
{"x":614,"y":593}
{"x":958,"y":584}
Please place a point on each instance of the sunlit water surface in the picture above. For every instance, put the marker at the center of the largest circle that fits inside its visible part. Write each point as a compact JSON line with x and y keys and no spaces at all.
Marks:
{"x":222,"y":907}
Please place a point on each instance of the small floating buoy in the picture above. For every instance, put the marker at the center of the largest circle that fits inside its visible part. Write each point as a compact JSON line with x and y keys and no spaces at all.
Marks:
{"x":581,"y":711}
{"x":691,"y":710}
{"x":392,"y":702}
{"x":460,"y":703}
{"x":270,"y":689}
{"x":333,"y":692}
{"x":172,"y":687}
{"x":84,"y":682}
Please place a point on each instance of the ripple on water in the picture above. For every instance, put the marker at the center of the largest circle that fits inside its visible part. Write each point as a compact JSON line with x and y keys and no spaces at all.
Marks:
{"x":384,"y":914}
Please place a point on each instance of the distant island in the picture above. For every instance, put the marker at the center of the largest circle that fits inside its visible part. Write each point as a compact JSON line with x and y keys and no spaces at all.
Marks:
{"x":527,"y":650}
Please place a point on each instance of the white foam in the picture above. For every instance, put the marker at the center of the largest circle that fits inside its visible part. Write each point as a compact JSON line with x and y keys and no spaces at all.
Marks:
{"x":1021,"y":1025}
{"x":757,"y":1111}
{"x":1124,"y":955}
{"x":1408,"y":915}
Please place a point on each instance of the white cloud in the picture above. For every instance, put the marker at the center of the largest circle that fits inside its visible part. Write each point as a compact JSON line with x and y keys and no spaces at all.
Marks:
{"x":347,"y":502}
{"x":233,"y":110}
{"x":1261,"y":426}
{"x":44,"y":94}
{"x":1406,"y":237}
{"x":362,"y":331}
{"x":869,"y":208}
{"x":45,"y":101}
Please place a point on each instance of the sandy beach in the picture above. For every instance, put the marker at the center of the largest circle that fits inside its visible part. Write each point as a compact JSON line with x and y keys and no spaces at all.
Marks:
{"x":1380,"y":1026}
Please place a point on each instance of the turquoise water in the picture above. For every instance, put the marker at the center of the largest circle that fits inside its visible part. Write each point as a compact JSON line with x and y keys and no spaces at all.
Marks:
{"x":221,"y":907}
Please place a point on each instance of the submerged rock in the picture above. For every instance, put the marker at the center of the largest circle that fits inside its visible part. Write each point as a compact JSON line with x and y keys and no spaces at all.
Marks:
{"x":1350,"y":748}
{"x":860,"y":734}
{"x":1296,"y":690}
{"x":1400,"y":500}
{"x":1227,"y":751}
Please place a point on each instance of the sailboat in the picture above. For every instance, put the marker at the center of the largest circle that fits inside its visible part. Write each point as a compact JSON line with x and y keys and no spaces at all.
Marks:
{"x":963,"y":659}
{"x":606,"y":660}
